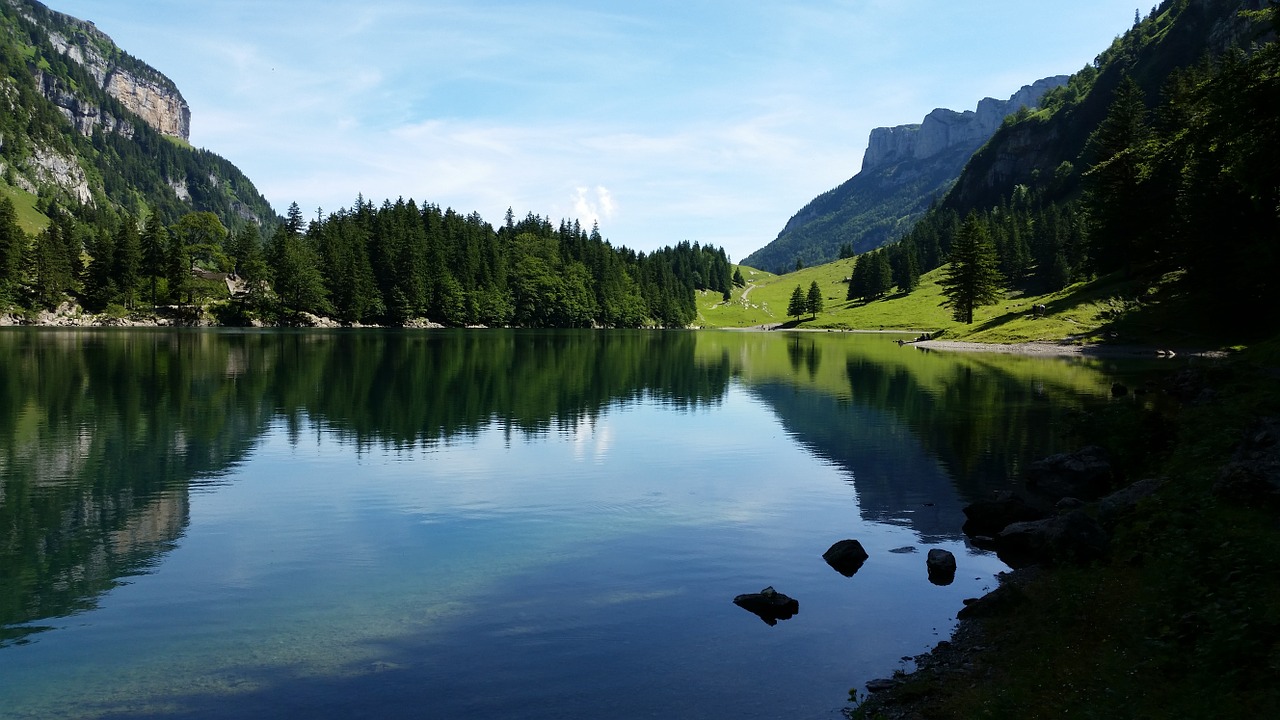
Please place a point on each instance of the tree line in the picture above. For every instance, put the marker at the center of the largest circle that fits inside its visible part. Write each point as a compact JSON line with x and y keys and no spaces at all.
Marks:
{"x":389,"y":265}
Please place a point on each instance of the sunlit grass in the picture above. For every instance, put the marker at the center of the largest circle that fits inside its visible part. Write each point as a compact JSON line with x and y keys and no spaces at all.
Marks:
{"x":31,"y":220}
{"x":1102,"y":310}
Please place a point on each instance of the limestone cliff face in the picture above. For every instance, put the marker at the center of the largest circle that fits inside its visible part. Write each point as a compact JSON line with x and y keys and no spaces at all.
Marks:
{"x":141,"y":89}
{"x":944,"y":129}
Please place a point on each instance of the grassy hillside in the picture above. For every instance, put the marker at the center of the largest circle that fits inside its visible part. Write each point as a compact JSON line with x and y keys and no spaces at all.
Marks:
{"x":31,"y":220}
{"x":1101,"y":310}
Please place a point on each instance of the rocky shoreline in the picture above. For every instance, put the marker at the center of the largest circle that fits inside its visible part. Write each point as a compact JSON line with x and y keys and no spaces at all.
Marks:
{"x":1074,"y":522}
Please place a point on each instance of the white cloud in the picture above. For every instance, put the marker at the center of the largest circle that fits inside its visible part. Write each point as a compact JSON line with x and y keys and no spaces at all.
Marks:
{"x":637,"y":117}
{"x":592,"y":205}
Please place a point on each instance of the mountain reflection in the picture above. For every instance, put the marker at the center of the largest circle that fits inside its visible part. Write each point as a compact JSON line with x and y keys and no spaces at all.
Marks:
{"x":103,"y":433}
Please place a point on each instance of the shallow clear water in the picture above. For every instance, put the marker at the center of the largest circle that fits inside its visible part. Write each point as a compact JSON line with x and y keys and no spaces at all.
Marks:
{"x":488,"y":524}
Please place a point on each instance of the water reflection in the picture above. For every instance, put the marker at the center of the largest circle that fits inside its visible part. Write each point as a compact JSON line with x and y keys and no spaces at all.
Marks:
{"x":104,"y":433}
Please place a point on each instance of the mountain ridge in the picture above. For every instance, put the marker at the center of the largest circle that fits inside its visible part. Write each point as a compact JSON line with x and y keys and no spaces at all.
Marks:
{"x":905,"y":168}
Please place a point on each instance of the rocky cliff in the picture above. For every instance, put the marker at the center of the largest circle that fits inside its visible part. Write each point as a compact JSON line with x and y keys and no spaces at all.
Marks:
{"x":943,"y":129}
{"x":904,"y":169}
{"x":139,"y":88}
{"x":84,"y":124}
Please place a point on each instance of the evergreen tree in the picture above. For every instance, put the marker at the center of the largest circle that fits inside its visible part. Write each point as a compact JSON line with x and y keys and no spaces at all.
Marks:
{"x":13,"y":243}
{"x":47,"y":267}
{"x":99,"y":286}
{"x":1115,"y":191}
{"x":155,"y":244}
{"x":972,"y":277}
{"x":798,"y":304}
{"x":297,"y":279}
{"x":127,"y":260}
{"x":738,"y":279}
{"x":906,"y":267}
{"x":813,"y":303}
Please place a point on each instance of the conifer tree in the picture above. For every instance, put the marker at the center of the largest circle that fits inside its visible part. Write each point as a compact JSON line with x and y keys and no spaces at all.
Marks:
{"x":972,"y":277}
{"x":155,"y":243}
{"x":813,"y":303}
{"x":1114,"y":184}
{"x":12,"y":244}
{"x":127,"y":262}
{"x":798,"y":305}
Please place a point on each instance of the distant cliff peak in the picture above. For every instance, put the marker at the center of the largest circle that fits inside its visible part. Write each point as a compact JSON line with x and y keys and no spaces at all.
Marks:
{"x":943,"y":129}
{"x":140,"y":88}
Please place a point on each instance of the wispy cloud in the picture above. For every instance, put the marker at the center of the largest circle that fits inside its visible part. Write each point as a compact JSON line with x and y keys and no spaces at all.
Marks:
{"x":711,"y":121}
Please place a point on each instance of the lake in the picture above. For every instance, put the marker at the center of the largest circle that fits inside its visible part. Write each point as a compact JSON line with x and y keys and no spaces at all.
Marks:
{"x":491,"y":524}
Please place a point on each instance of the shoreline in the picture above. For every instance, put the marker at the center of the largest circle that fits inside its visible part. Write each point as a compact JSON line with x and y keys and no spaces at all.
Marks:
{"x":68,"y":317}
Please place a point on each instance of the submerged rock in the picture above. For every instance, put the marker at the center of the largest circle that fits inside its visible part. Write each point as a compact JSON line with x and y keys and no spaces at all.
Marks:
{"x":846,"y":556}
{"x":769,"y":605}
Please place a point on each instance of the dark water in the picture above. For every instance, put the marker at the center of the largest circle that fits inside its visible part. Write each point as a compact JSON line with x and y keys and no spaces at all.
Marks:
{"x":489,"y":524}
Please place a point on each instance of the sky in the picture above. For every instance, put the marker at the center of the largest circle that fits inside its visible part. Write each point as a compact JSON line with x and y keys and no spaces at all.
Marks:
{"x":703,"y":120}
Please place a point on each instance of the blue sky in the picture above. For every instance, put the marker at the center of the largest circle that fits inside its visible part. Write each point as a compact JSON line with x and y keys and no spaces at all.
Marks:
{"x":709,"y":121}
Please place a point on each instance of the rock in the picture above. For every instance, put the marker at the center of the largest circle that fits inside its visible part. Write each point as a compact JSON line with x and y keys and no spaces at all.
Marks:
{"x":881,"y":685}
{"x":1123,"y":502}
{"x":941,"y":565}
{"x":1071,"y":538}
{"x":1068,"y":503}
{"x":904,"y":550}
{"x":989,"y":517}
{"x":1004,"y":600}
{"x":846,"y":556}
{"x":1252,"y":477}
{"x":1085,"y":474}
{"x":769,"y":605}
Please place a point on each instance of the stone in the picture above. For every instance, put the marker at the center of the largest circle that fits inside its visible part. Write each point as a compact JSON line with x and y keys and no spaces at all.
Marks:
{"x":769,"y":605}
{"x":1071,"y":538}
{"x":989,"y":517}
{"x":1252,"y":477}
{"x":1085,"y":474}
{"x":881,"y":685}
{"x":846,"y":557}
{"x":1123,"y":502}
{"x":941,"y":565}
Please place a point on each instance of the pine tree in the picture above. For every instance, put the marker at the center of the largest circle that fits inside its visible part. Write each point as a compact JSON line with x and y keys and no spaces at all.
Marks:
{"x":1115,"y":192}
{"x":813,"y":303}
{"x":798,"y":304}
{"x":972,"y":277}
{"x":127,"y":260}
{"x":155,"y":243}
{"x":12,"y":244}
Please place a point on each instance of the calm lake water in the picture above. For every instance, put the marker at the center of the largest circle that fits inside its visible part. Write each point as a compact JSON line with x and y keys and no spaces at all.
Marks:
{"x":490,"y":524}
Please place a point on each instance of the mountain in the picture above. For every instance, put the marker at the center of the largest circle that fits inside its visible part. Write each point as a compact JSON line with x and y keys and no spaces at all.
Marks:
{"x":89,"y":127}
{"x":1178,"y":34}
{"x":904,"y":170}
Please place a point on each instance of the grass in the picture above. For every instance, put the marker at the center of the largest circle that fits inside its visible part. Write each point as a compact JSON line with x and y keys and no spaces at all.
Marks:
{"x":1104,"y":310}
{"x":31,"y":220}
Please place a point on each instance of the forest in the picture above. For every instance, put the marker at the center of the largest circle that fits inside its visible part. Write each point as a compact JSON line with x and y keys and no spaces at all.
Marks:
{"x":396,"y":264}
